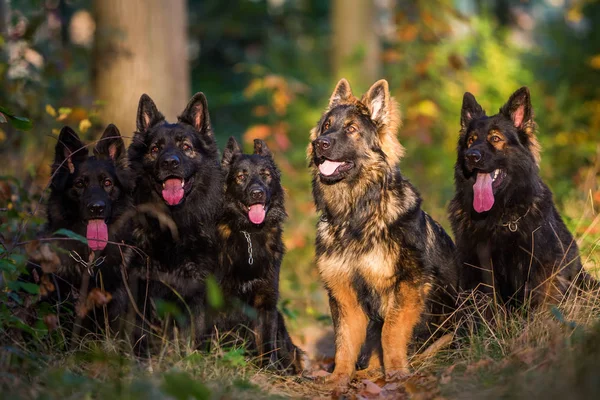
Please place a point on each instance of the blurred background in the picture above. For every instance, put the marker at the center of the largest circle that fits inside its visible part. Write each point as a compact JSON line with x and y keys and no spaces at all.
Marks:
{"x":268,"y":68}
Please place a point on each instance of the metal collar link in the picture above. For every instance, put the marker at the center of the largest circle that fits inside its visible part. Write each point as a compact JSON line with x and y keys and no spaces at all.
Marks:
{"x":250,"y":259}
{"x":513,"y":225}
{"x":88,"y":265}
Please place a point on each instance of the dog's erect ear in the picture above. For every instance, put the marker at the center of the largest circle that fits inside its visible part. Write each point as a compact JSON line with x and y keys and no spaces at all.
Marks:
{"x":377,"y":99}
{"x":518,"y":108}
{"x":232,"y":150}
{"x":147,"y":115}
{"x":69,"y":150}
{"x":470,"y":110}
{"x":111,"y":146}
{"x":341,"y":93}
{"x":196,"y":114}
{"x":261,"y":148}
{"x":386,"y":115}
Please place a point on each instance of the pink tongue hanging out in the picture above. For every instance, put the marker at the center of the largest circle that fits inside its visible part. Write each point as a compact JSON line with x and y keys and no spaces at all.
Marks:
{"x":173,"y":191}
{"x":328,"y":167}
{"x":97,"y":234}
{"x":483,"y":195}
{"x":256,"y":213}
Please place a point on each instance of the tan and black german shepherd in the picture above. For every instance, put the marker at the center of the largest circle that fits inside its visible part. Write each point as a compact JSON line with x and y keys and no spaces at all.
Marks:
{"x":384,"y":262}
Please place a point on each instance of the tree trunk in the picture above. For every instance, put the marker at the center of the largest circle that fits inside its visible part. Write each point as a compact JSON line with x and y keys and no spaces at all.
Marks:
{"x":141,"y":47}
{"x":356,"y":44}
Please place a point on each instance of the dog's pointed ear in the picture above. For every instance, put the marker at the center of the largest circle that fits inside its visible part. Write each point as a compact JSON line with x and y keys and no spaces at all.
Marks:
{"x":69,"y":150}
{"x":386,"y":115}
{"x":261,"y":148}
{"x":470,"y":110}
{"x":111,"y":146}
{"x":519,"y":110}
{"x":377,"y":99}
{"x":341,"y":93}
{"x":147,"y":114}
{"x":196,"y":114}
{"x":232,"y":150}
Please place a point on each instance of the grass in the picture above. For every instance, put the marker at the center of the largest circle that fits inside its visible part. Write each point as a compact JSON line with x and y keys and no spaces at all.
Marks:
{"x":546,"y":353}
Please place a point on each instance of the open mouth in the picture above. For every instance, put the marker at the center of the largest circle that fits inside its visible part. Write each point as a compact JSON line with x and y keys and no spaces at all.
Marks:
{"x":97,"y":234}
{"x":173,"y":189}
{"x":256,"y":212}
{"x":483,"y":189}
{"x":334,"y":168}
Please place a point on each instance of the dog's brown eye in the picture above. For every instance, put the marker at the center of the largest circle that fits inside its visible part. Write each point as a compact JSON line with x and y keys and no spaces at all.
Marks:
{"x":496,"y":139}
{"x":79,"y":184}
{"x":241,"y":178}
{"x":351,"y":129}
{"x":186,"y":147}
{"x":154,"y":150}
{"x":471,"y":140}
{"x":107,"y":183}
{"x":326,"y":126}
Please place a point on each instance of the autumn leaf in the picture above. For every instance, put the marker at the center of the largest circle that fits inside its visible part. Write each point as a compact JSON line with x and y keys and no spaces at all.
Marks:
{"x":595,"y":61}
{"x":261,"y":131}
{"x":50,"y":110}
{"x":84,"y":125}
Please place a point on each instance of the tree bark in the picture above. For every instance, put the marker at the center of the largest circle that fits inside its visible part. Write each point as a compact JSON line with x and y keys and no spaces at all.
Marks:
{"x":141,"y":47}
{"x":356,"y":45}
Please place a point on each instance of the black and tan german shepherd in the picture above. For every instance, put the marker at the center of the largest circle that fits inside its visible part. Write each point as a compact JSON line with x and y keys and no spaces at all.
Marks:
{"x":382,"y":258}
{"x":89,"y":195}
{"x":510,"y":238}
{"x":252,"y":250}
{"x":178,"y":202}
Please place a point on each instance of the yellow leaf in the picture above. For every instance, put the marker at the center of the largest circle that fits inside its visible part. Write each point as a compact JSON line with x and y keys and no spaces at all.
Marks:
{"x":50,"y":110}
{"x":595,"y":61}
{"x":427,"y":108}
{"x":574,"y":14}
{"x":84,"y":125}
{"x":55,"y":132}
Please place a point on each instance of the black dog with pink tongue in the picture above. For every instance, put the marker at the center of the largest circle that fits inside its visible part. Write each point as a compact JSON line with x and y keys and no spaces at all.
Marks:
{"x":90,"y":196}
{"x":251,"y":254}
{"x":178,"y":199}
{"x":510,"y":238}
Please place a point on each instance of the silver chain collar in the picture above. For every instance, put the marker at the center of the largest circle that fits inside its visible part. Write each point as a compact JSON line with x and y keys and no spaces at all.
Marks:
{"x":250,"y":259}
{"x":88,"y":265}
{"x":513,"y":225}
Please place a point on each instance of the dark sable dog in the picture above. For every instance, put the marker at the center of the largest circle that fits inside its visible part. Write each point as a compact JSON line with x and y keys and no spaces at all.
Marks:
{"x":178,"y":198}
{"x":383,"y":260}
{"x":503,"y":215}
{"x":252,"y":250}
{"x":88,"y":196}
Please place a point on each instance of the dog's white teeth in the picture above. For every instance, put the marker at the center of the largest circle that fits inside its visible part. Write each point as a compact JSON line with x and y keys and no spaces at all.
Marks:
{"x":182,"y":182}
{"x":264,"y":207}
{"x":495,"y":174}
{"x":164,"y":185}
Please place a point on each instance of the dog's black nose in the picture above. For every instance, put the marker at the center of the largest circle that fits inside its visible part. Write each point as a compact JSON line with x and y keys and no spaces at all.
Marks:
{"x":257,"y":194}
{"x":170,"y":162}
{"x":323,"y":143}
{"x":473,"y":155}
{"x":96,"y":208}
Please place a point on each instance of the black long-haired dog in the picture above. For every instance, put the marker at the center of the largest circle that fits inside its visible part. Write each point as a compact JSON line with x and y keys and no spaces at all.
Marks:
{"x":89,"y":196}
{"x":178,"y":200}
{"x":252,"y":250}
{"x":510,"y":238}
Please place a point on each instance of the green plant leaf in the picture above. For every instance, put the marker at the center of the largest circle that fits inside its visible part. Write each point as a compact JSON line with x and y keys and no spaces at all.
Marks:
{"x":70,"y":234}
{"x":182,"y":386}
{"x":28,"y":287}
{"x":214,"y":294}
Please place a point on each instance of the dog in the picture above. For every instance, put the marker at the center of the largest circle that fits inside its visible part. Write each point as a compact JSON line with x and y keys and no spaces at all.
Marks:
{"x":383,"y":260}
{"x":178,"y":202}
{"x":89,"y":196}
{"x":251,"y":251}
{"x":511,"y":240}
